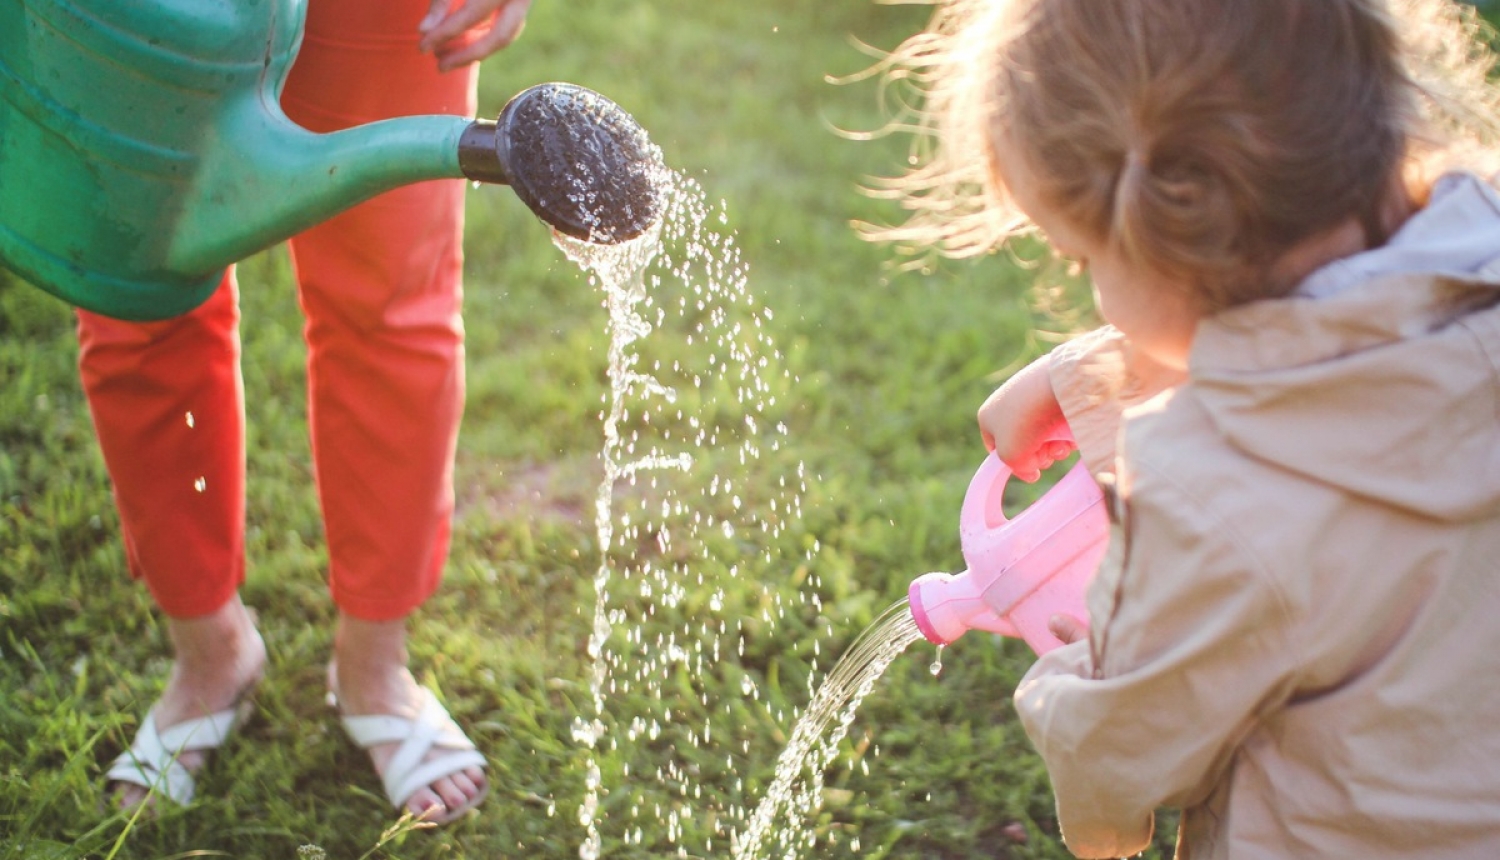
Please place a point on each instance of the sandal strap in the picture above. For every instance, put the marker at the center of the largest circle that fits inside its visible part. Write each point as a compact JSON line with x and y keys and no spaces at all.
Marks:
{"x":174,"y":782}
{"x":203,"y":733}
{"x":398,"y":792}
{"x":151,"y":761}
{"x":407,"y":772}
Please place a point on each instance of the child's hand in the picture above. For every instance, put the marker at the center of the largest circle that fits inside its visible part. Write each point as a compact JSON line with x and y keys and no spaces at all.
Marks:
{"x":1023,"y":423}
{"x":1067,"y":628}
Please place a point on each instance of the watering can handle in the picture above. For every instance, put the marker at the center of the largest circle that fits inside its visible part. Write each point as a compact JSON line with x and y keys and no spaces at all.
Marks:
{"x":983,"y":507}
{"x":984,"y":501}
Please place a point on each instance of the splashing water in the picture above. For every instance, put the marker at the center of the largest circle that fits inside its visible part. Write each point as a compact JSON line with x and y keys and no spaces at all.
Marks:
{"x":848,"y":683}
{"x":688,"y":419}
{"x":620,"y":269}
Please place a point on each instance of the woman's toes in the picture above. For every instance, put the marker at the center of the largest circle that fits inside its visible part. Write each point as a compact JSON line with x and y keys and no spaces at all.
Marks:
{"x":126,"y":797}
{"x":451,"y":792}
{"x":470,"y":784}
{"x":426,"y":804}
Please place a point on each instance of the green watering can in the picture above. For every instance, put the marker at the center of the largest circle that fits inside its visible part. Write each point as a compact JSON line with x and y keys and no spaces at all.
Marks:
{"x":143,"y":150}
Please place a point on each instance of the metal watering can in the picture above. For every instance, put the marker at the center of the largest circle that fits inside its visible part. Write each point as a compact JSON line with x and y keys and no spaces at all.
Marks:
{"x":1022,"y":571}
{"x":143,"y":150}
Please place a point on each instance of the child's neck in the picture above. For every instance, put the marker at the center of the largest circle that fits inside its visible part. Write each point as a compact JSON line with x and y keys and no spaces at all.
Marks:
{"x":1345,"y":239}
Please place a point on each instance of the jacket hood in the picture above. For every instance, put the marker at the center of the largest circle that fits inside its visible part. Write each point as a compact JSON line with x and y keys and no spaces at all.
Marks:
{"x":1379,"y":374}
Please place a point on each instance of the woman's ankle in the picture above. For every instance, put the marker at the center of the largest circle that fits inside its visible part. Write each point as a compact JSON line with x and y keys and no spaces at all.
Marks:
{"x":217,"y":657}
{"x":369,"y":671}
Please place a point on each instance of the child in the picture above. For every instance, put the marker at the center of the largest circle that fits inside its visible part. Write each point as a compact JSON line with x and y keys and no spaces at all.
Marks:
{"x":1293,"y":636}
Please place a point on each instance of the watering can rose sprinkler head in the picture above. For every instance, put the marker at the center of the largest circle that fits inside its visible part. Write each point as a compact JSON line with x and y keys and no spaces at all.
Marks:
{"x":575,"y":158}
{"x":1021,"y":571}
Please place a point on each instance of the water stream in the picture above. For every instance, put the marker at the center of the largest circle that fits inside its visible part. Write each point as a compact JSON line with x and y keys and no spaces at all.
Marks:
{"x":676,"y":516}
{"x":682,"y":510}
{"x":792,"y":797}
{"x":621,"y":270}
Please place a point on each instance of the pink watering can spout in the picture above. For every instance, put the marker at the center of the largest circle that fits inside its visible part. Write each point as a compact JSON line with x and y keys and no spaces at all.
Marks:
{"x":1021,"y":571}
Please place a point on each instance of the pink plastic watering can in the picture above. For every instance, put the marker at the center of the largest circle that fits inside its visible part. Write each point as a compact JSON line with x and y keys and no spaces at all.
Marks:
{"x":1022,"y":571}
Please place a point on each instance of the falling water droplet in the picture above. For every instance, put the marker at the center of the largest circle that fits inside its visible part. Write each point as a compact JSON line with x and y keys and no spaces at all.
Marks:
{"x":937,"y":663}
{"x":200,"y":485}
{"x":190,"y":420}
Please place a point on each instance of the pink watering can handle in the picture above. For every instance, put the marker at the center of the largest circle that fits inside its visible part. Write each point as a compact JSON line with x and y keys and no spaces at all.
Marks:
{"x":984,"y":502}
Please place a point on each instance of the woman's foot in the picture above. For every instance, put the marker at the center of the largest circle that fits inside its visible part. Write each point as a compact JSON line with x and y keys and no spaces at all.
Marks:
{"x":369,"y":677}
{"x":218,"y":658}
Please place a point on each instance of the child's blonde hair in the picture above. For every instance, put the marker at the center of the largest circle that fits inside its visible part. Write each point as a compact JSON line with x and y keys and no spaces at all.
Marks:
{"x":1200,"y":138}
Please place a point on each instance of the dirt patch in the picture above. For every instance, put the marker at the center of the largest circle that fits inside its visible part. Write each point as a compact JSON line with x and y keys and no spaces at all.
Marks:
{"x":560,"y":491}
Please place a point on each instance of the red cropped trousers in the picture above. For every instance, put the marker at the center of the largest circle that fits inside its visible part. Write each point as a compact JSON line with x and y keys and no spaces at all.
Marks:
{"x":380,"y":288}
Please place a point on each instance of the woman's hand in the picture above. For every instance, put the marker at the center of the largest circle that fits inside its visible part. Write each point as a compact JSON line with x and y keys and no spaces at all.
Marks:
{"x":1023,"y":423}
{"x":444,"y":27}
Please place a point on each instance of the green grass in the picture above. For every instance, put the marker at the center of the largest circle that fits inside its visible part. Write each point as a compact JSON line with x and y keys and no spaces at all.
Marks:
{"x":875,"y":374}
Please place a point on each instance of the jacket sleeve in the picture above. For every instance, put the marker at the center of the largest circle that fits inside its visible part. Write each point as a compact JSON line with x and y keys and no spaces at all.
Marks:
{"x":1187,"y":651}
{"x":1096,"y":377}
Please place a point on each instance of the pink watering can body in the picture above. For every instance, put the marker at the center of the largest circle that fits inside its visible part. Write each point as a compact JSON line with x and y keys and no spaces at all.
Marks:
{"x":1021,"y":571}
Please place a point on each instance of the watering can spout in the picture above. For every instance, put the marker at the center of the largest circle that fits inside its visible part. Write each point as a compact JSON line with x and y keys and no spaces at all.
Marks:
{"x":143,"y":150}
{"x":264,"y":178}
{"x":576,"y":159}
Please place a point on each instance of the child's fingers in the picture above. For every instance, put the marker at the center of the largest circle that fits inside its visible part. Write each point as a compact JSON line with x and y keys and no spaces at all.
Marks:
{"x":1028,"y":470}
{"x":1031,"y":468}
{"x":1067,"y":628}
{"x":1059,"y":449}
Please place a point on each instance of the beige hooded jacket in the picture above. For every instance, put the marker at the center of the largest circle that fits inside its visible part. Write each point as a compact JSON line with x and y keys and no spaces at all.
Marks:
{"x":1295,"y":634}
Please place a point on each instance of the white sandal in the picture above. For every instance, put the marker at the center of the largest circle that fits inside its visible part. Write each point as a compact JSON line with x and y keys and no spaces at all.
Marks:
{"x":151,"y":762}
{"x":407,"y":772}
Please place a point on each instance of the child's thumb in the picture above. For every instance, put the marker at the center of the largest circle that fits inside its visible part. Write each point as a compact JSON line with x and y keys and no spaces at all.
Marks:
{"x":1067,"y":628}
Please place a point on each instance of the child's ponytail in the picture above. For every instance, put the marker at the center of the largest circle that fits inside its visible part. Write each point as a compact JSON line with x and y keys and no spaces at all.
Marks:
{"x":1227,"y":133}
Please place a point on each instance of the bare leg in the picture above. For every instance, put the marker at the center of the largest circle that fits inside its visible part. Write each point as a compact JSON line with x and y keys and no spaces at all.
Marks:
{"x":372,"y":678}
{"x":218,"y":657}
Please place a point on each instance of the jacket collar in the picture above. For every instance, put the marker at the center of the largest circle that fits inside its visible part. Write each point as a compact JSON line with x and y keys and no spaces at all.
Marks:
{"x":1358,"y":380}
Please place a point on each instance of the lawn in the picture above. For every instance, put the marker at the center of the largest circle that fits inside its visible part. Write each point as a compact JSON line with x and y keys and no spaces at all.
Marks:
{"x":797,"y":429}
